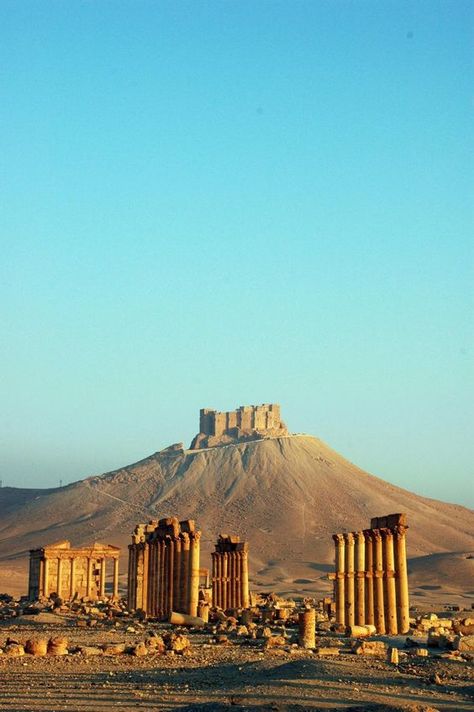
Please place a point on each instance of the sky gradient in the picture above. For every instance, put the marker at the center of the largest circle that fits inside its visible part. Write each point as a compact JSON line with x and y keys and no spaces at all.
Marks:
{"x":225,"y":203}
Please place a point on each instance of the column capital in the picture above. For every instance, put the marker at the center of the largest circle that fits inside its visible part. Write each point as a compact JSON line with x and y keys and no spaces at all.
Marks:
{"x":399,"y":532}
{"x":387,"y":534}
{"x":349,"y":538}
{"x":338,"y":538}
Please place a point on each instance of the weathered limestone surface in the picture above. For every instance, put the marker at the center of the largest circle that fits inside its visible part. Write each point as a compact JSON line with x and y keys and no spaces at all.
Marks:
{"x":245,"y":423}
{"x":163,"y":568}
{"x":370,"y":579}
{"x":68,"y":572}
{"x":230,"y":573}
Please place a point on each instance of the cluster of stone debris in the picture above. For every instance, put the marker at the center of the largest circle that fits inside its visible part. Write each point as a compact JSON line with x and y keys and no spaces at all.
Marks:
{"x":272,"y":624}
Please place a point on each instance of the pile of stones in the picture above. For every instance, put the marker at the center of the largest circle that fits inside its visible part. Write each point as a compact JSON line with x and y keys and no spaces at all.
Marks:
{"x":169,"y":643}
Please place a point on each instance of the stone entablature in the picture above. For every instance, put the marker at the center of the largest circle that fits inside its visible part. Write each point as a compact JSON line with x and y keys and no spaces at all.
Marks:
{"x":245,"y":423}
{"x":67,"y":572}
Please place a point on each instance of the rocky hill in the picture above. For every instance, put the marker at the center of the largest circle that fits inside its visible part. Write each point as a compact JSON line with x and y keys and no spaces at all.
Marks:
{"x":286,"y":495}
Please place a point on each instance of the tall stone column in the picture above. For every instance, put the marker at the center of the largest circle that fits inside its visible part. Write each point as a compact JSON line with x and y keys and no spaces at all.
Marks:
{"x":194,"y":555}
{"x":369,"y":579}
{"x":140,"y":576}
{"x":307,"y":629}
{"x":90,"y":565}
{"x":233,"y":574}
{"x":102,"y":578}
{"x":390,"y":589}
{"x":214,"y":558}
{"x":403,"y":605}
{"x":379,"y":608}
{"x":225,"y":581}
{"x":340,"y":578}
{"x":169,"y":576}
{"x":161,"y":577}
{"x":59,"y":577}
{"x":116,"y":579}
{"x":177,"y":576}
{"x":184,"y":581}
{"x":72,"y":577}
{"x":360,"y":578}
{"x":131,"y":578}
{"x":46,"y":577}
{"x":244,"y":579}
{"x":151,"y":575}
{"x":350,"y":595}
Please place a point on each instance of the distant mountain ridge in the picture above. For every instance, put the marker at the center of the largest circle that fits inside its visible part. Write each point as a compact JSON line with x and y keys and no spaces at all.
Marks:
{"x":285,"y":495}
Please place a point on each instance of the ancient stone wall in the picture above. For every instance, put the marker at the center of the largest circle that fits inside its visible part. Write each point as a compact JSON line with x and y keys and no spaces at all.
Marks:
{"x":371,"y":580}
{"x":245,"y":422}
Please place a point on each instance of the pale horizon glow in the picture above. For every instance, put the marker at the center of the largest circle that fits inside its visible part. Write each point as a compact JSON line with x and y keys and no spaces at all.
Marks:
{"x":222,"y":203}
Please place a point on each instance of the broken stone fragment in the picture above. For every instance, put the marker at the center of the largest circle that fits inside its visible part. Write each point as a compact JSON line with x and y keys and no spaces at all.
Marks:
{"x":36,"y":646}
{"x":464,"y":643}
{"x":114,"y":648}
{"x":89,"y":651}
{"x":326,"y":651}
{"x":275,"y":641}
{"x":377,"y":648}
{"x":57,"y":646}
{"x":139,"y":650}
{"x":14,"y":650}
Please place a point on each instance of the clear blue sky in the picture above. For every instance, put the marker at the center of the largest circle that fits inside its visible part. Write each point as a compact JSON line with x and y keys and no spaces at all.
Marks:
{"x":218,"y":203}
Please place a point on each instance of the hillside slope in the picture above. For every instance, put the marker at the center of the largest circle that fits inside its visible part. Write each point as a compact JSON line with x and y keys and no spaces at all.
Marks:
{"x":285,"y":495}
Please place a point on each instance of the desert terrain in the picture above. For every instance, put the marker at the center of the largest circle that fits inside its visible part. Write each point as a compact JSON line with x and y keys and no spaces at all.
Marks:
{"x":285,"y":495}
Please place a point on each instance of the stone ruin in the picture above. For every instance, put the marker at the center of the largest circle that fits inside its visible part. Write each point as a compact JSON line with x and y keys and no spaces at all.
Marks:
{"x":164,"y":571}
{"x":230,"y":573}
{"x":163,"y":568}
{"x":66,"y":572}
{"x":248,"y":422}
{"x":371,"y":580}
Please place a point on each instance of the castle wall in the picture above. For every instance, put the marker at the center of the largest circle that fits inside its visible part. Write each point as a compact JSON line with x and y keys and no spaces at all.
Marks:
{"x":246,"y":418}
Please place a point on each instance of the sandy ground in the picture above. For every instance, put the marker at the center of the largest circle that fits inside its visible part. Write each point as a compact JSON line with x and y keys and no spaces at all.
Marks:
{"x":234,"y":675}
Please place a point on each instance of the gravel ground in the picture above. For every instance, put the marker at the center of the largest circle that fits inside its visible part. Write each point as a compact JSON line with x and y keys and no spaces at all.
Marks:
{"x":235,"y":677}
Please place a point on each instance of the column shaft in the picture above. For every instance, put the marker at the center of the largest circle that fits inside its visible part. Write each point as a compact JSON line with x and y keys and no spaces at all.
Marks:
{"x":379,"y":608}
{"x":177,"y":577}
{"x":350,"y":595}
{"x":59,"y":577}
{"x":403,"y":605}
{"x":369,"y":579}
{"x":194,"y":573}
{"x":102,"y":578}
{"x":390,"y":588}
{"x":360,"y":578}
{"x":340,"y":579}
{"x":244,"y":579}
{"x":116,"y":578}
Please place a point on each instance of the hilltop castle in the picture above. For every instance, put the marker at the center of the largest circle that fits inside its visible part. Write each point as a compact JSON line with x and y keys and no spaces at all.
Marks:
{"x":248,"y":422}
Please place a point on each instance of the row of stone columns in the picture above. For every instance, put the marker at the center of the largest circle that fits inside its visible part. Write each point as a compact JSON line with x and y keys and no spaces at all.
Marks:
{"x":163,"y":570}
{"x":230,"y":575}
{"x":74,"y":561}
{"x":371,"y":581}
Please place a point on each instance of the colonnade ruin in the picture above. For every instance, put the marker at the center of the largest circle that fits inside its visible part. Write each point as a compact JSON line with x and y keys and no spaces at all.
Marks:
{"x":163,"y":567}
{"x":230,"y":573}
{"x":371,"y":580}
{"x":67,"y":572}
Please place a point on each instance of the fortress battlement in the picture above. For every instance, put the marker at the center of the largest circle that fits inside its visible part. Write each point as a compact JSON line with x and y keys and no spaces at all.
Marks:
{"x":243,"y":423}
